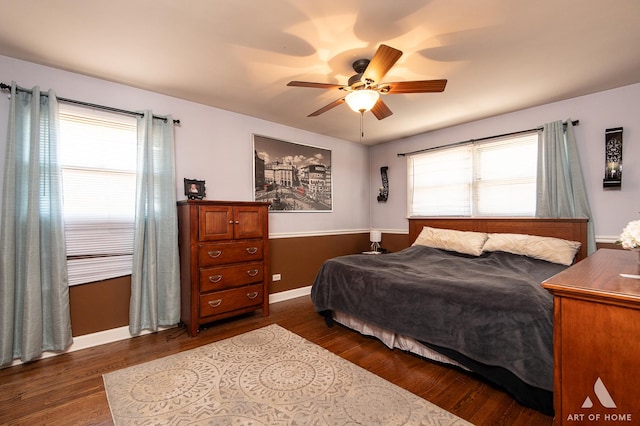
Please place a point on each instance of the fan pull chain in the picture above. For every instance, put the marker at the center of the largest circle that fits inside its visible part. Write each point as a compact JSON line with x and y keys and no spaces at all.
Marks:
{"x":361,"y":125}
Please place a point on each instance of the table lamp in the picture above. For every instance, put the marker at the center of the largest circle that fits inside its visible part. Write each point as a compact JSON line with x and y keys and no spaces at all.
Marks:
{"x":375,"y":237}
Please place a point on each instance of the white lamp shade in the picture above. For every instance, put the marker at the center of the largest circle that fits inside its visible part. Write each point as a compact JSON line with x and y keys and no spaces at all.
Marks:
{"x":375,"y":236}
{"x":362,"y":100}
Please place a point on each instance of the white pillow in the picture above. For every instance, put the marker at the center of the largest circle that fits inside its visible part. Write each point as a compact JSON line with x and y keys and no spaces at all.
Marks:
{"x":551,"y":249}
{"x":467,"y":242}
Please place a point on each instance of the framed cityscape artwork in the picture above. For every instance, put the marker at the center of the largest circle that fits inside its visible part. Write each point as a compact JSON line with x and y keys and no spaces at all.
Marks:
{"x":291,"y":176}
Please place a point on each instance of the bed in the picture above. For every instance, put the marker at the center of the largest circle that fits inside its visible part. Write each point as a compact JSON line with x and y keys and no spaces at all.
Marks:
{"x":465,"y":293}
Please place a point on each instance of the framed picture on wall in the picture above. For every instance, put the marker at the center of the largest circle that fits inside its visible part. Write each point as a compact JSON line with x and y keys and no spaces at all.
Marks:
{"x":291,"y":176}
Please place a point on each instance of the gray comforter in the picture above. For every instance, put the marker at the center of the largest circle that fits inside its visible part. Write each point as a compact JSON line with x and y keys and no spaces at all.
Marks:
{"x":490,"y":308}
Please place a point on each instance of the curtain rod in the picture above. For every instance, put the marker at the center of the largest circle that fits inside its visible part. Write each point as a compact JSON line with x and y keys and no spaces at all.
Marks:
{"x":403,"y":154}
{"x":4,"y":86}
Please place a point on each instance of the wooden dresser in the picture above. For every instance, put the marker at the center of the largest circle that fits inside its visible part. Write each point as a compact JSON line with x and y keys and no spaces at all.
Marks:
{"x":224,"y":258}
{"x":597,"y":340}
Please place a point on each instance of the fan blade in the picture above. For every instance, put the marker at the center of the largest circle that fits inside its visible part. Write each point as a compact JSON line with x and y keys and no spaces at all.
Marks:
{"x":327,"y":107}
{"x":423,"y":86}
{"x":381,"y":110}
{"x":381,"y":63}
{"x":314,"y":85}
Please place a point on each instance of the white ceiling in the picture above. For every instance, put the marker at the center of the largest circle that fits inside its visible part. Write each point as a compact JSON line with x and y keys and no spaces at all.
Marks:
{"x":238,"y":55}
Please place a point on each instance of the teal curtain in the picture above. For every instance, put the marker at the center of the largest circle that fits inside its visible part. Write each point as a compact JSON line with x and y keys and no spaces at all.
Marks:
{"x":561,"y":191}
{"x":155,"y":278}
{"x":34,"y":292}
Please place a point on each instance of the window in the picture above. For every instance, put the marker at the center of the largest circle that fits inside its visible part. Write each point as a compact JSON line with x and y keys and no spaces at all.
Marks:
{"x":492,"y":178}
{"x":98,"y":158}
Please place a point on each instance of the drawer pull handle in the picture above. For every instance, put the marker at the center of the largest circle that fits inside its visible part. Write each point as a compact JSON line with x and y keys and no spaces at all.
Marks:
{"x":253,"y":272}
{"x":215,"y":303}
{"x":215,"y":278}
{"x":215,"y":253}
{"x":252,"y":295}
{"x":252,"y":250}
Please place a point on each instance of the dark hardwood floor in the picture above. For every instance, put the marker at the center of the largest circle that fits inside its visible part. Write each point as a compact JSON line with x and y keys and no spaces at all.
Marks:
{"x":68,"y":389}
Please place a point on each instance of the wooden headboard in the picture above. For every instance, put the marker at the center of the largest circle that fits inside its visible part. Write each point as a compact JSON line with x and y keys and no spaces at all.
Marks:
{"x":567,"y":229}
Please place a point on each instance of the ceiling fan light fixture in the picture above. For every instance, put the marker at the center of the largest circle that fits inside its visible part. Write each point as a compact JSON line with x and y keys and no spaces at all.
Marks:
{"x":362,"y":100}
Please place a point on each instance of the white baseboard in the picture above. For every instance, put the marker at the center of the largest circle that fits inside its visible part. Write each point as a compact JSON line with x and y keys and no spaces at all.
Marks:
{"x":121,"y":333}
{"x":289,"y":294}
{"x":607,"y":239}
{"x":94,"y":339}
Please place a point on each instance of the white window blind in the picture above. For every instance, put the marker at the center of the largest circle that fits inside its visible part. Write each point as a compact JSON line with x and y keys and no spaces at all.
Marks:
{"x":98,"y":157}
{"x":505,"y":183}
{"x":441,"y":183}
{"x":493,"y":178}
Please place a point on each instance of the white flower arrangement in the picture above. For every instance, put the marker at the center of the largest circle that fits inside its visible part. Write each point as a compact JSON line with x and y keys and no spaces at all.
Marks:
{"x":630,"y":237}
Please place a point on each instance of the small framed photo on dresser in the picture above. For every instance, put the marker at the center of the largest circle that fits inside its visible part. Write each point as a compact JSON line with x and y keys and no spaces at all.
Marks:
{"x":194,"y":189}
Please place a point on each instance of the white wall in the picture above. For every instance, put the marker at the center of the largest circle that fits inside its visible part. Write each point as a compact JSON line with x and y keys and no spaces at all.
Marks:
{"x":214,"y":145}
{"x":611,"y":209}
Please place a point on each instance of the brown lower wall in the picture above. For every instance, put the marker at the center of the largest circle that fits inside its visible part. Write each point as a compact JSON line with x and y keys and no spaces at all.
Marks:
{"x":99,"y":306}
{"x":298,"y":259}
{"x":104,"y":305}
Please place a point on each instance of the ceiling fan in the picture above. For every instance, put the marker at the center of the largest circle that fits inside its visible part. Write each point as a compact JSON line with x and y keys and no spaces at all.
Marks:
{"x":364,"y":88}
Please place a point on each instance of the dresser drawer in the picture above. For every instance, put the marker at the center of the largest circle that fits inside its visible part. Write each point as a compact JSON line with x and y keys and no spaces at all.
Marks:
{"x":232,"y":252}
{"x":224,"y":301}
{"x":223,"y":277}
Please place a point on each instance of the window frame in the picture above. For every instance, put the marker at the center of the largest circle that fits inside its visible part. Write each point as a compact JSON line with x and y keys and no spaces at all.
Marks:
{"x":472,"y":205}
{"x":99,"y":247}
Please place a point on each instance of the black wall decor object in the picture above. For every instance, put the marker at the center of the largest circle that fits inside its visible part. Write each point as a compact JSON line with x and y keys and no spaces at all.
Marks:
{"x":613,"y":158}
{"x":384,"y":191}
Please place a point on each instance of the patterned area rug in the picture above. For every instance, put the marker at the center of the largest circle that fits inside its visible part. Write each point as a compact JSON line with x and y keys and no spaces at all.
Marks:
{"x":267,"y":376}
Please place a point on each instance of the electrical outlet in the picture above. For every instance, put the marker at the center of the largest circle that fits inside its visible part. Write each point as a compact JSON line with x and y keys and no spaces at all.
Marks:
{"x":276,"y":277}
